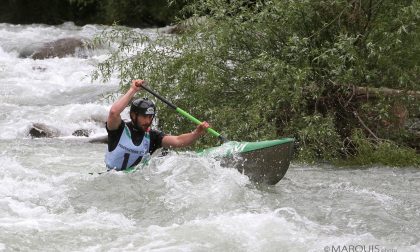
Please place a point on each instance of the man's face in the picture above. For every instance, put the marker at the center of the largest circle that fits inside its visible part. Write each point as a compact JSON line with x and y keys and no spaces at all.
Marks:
{"x":144,"y":121}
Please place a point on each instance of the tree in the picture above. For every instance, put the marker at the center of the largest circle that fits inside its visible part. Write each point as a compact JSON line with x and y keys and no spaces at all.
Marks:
{"x":263,"y":69}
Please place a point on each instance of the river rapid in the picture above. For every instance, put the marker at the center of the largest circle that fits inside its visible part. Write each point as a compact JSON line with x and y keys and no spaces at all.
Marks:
{"x":180,"y":202}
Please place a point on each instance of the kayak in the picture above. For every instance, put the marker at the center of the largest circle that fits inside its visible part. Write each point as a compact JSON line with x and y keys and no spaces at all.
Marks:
{"x":263,"y":162}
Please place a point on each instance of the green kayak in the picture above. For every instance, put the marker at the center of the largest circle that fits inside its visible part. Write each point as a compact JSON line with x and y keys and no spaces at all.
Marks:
{"x":263,"y":162}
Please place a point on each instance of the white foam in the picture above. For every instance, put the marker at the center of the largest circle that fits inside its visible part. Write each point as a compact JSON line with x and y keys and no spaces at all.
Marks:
{"x":56,"y":92}
{"x":65,"y":119}
{"x":207,"y":183}
{"x":26,"y":215}
{"x":17,"y":37}
{"x":232,"y":232}
{"x":347,"y":186}
{"x":32,"y":200}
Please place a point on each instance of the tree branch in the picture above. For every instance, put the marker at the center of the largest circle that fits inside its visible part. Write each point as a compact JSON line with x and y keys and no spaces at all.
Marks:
{"x":364,"y":126}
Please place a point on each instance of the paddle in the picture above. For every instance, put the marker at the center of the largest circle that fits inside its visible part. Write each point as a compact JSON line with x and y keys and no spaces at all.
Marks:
{"x":183,"y":113}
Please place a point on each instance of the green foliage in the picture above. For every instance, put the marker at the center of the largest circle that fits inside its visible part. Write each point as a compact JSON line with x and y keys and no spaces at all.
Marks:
{"x":382,"y":152}
{"x":319,"y":138}
{"x":264,"y":69}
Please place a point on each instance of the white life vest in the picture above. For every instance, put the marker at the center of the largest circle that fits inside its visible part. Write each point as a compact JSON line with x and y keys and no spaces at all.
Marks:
{"x":126,"y":153}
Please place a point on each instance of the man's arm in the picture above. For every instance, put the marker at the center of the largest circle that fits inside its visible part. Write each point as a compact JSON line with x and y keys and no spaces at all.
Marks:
{"x":185,"y":139}
{"x":114,"y":116}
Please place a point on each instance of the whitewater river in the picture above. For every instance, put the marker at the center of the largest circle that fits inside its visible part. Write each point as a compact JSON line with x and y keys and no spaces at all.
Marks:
{"x":49,"y":202}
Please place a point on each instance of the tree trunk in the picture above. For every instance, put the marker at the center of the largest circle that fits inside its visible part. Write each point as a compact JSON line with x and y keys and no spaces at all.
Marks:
{"x":374,"y":92}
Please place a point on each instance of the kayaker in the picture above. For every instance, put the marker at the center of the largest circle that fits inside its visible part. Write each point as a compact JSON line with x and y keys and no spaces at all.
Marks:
{"x":128,"y":142}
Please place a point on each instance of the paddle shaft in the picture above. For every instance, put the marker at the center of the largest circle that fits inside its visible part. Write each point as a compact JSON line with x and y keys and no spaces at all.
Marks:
{"x":183,"y":113}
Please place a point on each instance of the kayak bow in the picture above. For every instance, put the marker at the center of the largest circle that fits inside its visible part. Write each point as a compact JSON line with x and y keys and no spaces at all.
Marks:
{"x":263,"y":162}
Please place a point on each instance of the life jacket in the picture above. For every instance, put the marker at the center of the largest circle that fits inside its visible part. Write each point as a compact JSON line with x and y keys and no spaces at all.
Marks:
{"x":126,"y":154}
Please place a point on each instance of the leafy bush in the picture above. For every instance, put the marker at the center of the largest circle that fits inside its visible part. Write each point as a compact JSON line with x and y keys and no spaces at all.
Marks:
{"x":264,"y":69}
{"x":381,"y":152}
{"x":319,"y":138}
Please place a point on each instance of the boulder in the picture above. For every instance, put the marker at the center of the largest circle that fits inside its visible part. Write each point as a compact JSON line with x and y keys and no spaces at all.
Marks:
{"x":39,"y":130}
{"x":184,"y":25}
{"x":82,"y":132}
{"x":58,"y":48}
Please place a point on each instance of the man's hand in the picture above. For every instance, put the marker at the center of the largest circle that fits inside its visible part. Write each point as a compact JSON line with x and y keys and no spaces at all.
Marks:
{"x":201,"y":128}
{"x":185,"y":139}
{"x":136,"y":84}
{"x":114,"y":117}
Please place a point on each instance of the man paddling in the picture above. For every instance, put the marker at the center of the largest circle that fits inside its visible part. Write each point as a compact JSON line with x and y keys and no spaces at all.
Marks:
{"x":128,"y":142}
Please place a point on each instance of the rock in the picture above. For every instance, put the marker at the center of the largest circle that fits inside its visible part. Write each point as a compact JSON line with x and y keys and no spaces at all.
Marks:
{"x":39,"y":68}
{"x":82,"y":132}
{"x":58,"y":48}
{"x":175,"y":29}
{"x":101,"y":139}
{"x":185,"y":25}
{"x":29,"y":50}
{"x":39,"y":130}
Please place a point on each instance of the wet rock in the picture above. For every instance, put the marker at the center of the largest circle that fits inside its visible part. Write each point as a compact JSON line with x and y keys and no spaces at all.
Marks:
{"x":39,"y":68}
{"x":82,"y":132}
{"x":58,"y":48}
{"x":39,"y":130}
{"x":29,"y":50}
{"x":175,"y":29}
{"x":184,"y":25}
